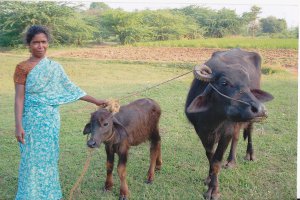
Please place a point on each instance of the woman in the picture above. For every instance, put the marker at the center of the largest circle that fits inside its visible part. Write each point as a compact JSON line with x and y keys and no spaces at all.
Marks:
{"x":41,"y":85}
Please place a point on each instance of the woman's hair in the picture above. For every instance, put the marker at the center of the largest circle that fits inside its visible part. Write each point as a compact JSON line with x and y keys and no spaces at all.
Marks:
{"x":34,"y":30}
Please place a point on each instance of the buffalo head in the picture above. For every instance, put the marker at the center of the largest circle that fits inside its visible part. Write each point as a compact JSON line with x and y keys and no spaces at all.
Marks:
{"x":229,"y":92}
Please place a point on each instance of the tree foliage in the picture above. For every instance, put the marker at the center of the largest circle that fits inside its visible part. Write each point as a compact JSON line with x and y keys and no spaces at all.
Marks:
{"x":251,"y":20}
{"x":273,"y":25}
{"x":65,"y":24}
{"x":214,"y":23}
{"x":70,"y":24}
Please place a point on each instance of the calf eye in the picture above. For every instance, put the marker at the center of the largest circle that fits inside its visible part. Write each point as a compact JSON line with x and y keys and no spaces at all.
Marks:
{"x":105,"y":124}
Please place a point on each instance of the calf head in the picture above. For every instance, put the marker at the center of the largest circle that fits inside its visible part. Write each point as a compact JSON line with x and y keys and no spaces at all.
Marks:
{"x":104,"y":127}
{"x":228,"y":93}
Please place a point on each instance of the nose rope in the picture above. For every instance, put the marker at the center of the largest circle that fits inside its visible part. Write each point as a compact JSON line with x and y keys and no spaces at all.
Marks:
{"x":228,"y":97}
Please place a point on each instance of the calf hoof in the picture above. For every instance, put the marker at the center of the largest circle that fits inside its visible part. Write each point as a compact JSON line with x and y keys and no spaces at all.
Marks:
{"x":207,"y":180}
{"x":123,"y":197}
{"x":250,"y":157}
{"x":149,"y":181}
{"x":107,"y":188}
{"x":229,"y":165}
{"x":150,"y":178}
{"x":211,"y":196}
{"x":158,"y":167}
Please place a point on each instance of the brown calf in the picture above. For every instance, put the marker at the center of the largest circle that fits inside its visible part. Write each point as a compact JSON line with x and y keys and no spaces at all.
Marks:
{"x":135,"y":123}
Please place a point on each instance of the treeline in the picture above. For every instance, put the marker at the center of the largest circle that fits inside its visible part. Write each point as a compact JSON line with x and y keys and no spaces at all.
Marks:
{"x":71,"y":24}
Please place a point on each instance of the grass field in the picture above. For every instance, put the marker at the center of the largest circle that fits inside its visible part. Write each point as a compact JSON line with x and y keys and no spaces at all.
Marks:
{"x":271,"y":176}
{"x":238,"y":42}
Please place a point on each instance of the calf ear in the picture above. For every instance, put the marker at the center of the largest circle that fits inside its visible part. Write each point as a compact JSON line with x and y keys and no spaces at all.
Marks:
{"x":120,"y":129}
{"x":87,"y":129}
{"x":261,"y":95}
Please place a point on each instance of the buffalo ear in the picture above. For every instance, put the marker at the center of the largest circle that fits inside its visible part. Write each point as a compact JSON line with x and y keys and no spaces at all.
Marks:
{"x":87,"y":129}
{"x":199,"y":104}
{"x":261,"y":95}
{"x":120,"y":129}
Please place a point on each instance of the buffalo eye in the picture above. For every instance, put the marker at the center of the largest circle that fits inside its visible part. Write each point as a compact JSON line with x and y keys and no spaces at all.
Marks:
{"x":224,"y":83}
{"x":105,"y":124}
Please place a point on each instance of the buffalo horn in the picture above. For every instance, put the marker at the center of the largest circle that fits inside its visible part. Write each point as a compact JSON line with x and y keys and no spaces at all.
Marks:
{"x":203,"y":73}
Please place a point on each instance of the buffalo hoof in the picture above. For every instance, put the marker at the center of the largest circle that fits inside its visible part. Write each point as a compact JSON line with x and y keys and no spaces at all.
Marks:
{"x":123,"y":197}
{"x":209,"y":195}
{"x":230,"y":164}
{"x":250,"y":157}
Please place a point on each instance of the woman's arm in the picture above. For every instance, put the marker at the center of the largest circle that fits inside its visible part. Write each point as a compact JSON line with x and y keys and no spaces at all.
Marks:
{"x":98,"y":102}
{"x":19,"y":106}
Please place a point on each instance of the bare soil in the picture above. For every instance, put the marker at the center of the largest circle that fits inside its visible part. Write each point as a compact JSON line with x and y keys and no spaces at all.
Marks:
{"x":286,"y":58}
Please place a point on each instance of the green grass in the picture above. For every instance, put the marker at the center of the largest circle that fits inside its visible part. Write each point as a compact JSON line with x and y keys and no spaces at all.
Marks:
{"x":239,"y":42}
{"x":271,"y":176}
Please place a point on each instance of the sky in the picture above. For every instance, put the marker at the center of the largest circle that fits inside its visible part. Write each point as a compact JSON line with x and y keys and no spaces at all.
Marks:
{"x":287,"y":9}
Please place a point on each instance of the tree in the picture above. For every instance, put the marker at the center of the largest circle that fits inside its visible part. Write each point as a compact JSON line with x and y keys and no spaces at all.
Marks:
{"x":99,"y":6}
{"x":251,"y":19}
{"x":273,"y":25}
{"x":202,"y":15}
{"x":121,"y":24}
{"x":225,"y":22}
{"x":214,"y":23}
{"x":167,"y":25}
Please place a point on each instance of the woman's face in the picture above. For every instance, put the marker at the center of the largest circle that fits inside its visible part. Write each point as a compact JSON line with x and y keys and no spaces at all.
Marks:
{"x":38,"y":45}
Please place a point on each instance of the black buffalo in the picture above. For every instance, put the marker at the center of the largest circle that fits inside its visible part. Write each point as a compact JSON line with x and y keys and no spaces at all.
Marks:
{"x":225,"y":97}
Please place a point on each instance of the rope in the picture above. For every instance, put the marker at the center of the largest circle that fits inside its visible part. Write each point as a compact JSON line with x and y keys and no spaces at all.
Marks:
{"x":85,"y":168}
{"x":148,"y":88}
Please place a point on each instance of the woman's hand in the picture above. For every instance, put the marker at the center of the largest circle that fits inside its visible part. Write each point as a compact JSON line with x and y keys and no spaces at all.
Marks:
{"x":101,"y":102}
{"x":98,"y":102}
{"x":20,"y":133}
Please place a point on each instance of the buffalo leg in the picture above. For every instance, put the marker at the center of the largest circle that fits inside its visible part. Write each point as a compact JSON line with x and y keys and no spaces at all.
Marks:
{"x":155,"y":156}
{"x":209,"y":150}
{"x":250,"y":151}
{"x":215,"y":167}
{"x":109,"y":168}
{"x":231,"y":160}
{"x":124,"y":193}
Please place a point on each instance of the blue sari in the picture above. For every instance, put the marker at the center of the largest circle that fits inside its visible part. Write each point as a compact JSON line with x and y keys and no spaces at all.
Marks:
{"x":47,"y":86}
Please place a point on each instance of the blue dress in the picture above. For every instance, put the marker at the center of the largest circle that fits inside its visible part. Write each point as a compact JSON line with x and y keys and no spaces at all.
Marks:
{"x":47,"y":86}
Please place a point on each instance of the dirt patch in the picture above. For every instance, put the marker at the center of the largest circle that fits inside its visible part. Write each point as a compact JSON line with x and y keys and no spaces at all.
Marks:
{"x":278,"y":58}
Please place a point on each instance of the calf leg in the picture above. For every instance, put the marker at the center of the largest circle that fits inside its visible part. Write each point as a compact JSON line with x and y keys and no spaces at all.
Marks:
{"x":109,"y":168}
{"x":231,"y":160}
{"x":155,"y":156}
{"x":124,"y":193}
{"x":248,"y":133}
{"x":215,"y":167}
{"x":159,"y":159}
